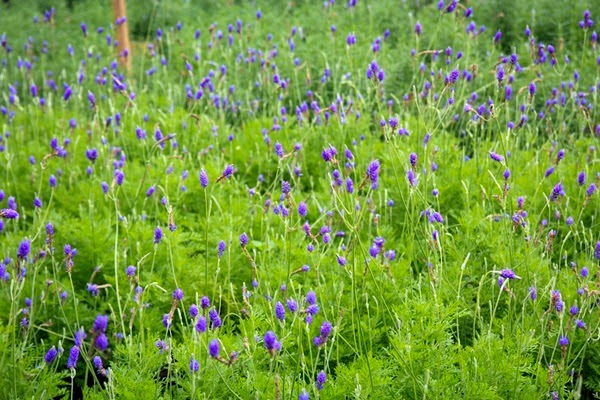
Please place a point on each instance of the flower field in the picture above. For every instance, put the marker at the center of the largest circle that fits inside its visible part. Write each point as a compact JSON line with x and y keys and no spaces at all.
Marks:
{"x":300,"y":200}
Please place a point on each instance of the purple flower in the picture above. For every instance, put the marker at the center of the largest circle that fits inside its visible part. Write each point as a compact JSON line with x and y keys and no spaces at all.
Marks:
{"x":130,"y":271}
{"x":243,"y":240}
{"x":119,"y":176}
{"x":349,"y":185}
{"x":205,"y":302}
{"x":228,"y":171}
{"x":73,"y":357}
{"x":302,"y":209}
{"x":292,"y":305}
{"x":214,"y":348}
{"x":24,"y":249}
{"x":373,"y":173}
{"x":193,"y":311}
{"x":158,"y":235}
{"x":201,"y":324}
{"x":213,"y":314}
{"x":285,"y":187}
{"x":563,"y":341}
{"x":584,"y":272}
{"x":573,"y":310}
{"x":326,"y":329}
{"x":203,"y":179}
{"x":67,"y":93}
{"x":496,"y":157}
{"x":321,"y":379}
{"x":279,"y":311}
{"x":279,"y":150}
{"x":497,"y":37}
{"x":413,"y":159}
{"x":101,"y":342}
{"x":590,"y":190}
{"x":532,"y":89}
{"x":418,"y":28}
{"x":580,"y":324}
{"x":178,"y":294}
{"x":9,"y":214}
{"x":532,"y":293}
{"x":557,"y":191}
{"x":50,"y":355}
{"x":167,"y":320}
{"x":103,"y":185}
{"x":101,"y":323}
{"x":194,"y":365}
{"x":597,"y":251}
{"x":220,"y":248}
{"x":161,"y":345}
{"x":271,"y":343}
{"x":508,"y":274}
{"x":581,"y":178}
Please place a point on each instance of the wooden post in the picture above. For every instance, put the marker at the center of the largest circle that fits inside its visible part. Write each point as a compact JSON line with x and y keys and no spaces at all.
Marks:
{"x":124,"y":48}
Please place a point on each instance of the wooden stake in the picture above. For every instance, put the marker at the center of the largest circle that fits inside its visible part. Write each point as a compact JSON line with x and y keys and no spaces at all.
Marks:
{"x":124,"y":48}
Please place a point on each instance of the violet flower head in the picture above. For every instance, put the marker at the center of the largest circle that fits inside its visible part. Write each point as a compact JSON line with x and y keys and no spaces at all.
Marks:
{"x":557,"y":191}
{"x":130,"y":271}
{"x":292,"y":305}
{"x":100,"y":324}
{"x":24,"y":249}
{"x":418,"y":29}
{"x":279,"y":311}
{"x":373,"y":173}
{"x":194,"y":365}
{"x":213,"y":314}
{"x":9,"y":214}
{"x":193,"y":311}
{"x":119,"y":177}
{"x":101,"y":342}
{"x":73,"y":357}
{"x":214,"y":348}
{"x":203,"y":179}
{"x":563,"y":341}
{"x":50,"y":355}
{"x":532,"y":293}
{"x":244,"y":240}
{"x":178,"y":294}
{"x":497,"y":37}
{"x":271,"y":343}
{"x":158,"y":235}
{"x":508,"y":274}
{"x":205,"y":302}
{"x":581,"y":178}
{"x":321,"y":379}
{"x":496,"y":157}
{"x":221,"y":248}
{"x":412,"y":158}
{"x":201,"y":324}
{"x":228,"y":171}
{"x":302,"y":209}
{"x":326,"y":329}
{"x":597,"y":251}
